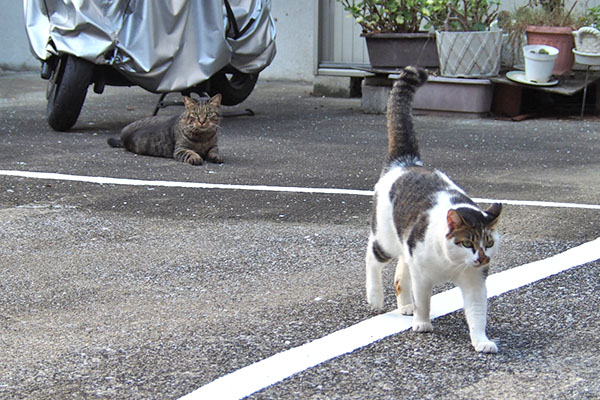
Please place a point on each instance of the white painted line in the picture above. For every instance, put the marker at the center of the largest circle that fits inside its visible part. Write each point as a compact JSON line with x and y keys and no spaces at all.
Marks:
{"x":193,"y":185}
{"x":533,"y":203}
{"x":264,"y":188}
{"x":257,"y":376}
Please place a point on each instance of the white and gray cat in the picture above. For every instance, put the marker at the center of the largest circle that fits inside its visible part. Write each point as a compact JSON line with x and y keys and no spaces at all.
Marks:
{"x":426,"y":222}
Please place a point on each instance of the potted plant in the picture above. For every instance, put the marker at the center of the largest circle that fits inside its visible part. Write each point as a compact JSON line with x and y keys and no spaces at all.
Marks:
{"x":467,"y":48}
{"x":539,"y":62}
{"x":392,"y":32}
{"x":546,"y":22}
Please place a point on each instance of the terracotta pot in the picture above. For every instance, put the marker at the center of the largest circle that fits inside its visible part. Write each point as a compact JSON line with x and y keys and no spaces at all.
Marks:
{"x":560,"y":37}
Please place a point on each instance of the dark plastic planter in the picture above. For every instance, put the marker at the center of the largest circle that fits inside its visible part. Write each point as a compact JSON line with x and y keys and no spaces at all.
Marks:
{"x":394,"y":50}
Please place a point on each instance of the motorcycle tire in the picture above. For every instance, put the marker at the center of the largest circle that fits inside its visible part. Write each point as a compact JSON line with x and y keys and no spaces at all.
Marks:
{"x":234,"y":87}
{"x":67,"y":89}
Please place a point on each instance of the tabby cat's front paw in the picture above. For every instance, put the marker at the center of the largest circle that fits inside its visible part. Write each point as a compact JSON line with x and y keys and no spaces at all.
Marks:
{"x":189,"y":156}
{"x":486,"y":347}
{"x":194,"y":160}
{"x":215,"y":158}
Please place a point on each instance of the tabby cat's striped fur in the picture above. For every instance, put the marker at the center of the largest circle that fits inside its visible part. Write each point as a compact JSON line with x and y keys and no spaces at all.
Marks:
{"x":190,"y":137}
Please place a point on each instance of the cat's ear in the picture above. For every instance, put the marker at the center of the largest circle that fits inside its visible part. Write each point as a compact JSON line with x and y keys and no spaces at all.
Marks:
{"x":188,"y":102}
{"x":455,"y":221}
{"x":494,"y":212}
{"x":215,"y":101}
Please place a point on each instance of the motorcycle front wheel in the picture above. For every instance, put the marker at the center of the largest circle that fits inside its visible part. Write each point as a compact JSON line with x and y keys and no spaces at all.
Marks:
{"x":234,"y":86}
{"x":66,"y":92}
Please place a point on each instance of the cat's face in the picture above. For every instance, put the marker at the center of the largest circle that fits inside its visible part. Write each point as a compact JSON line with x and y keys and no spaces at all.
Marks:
{"x":203,"y":115}
{"x":473,"y":237}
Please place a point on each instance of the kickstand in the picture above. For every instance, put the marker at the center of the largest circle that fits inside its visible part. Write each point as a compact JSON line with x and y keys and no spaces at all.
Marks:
{"x":246,"y":112}
{"x":164,"y":104}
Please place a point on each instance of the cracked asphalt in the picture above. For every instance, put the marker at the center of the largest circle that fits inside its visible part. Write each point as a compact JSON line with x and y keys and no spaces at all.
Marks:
{"x":146,"y":292}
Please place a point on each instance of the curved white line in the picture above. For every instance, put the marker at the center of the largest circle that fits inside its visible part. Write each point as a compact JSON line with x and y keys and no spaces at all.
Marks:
{"x":260,"y":375}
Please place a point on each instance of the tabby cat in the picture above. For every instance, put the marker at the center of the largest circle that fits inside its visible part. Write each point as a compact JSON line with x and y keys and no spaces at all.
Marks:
{"x":426,"y":222}
{"x":190,"y":137}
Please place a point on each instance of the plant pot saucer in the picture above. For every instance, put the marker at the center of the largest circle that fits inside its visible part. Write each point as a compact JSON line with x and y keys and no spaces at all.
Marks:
{"x":519,"y":76}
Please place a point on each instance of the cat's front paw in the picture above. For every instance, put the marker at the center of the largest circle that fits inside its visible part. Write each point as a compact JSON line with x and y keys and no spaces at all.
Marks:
{"x":375,"y":300}
{"x":406,"y":309}
{"x":194,"y":160}
{"x":216,"y":159}
{"x":189,"y":156}
{"x":213,"y":156}
{"x":486,"y":346}
{"x":422,"y":327}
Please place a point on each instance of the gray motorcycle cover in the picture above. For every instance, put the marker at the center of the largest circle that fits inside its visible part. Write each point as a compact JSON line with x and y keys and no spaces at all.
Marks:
{"x":162,"y":46}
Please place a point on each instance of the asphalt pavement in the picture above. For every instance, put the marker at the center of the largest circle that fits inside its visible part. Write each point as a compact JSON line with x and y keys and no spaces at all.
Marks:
{"x":114,"y":290}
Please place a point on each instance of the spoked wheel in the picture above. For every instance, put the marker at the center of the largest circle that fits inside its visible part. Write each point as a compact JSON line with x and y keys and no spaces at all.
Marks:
{"x":234,"y":86}
{"x":66,"y":91}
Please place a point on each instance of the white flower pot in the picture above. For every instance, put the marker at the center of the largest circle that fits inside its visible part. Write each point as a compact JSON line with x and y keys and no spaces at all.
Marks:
{"x":538,"y":67}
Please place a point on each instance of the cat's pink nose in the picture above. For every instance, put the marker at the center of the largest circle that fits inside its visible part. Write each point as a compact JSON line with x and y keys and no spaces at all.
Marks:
{"x":482,"y":259}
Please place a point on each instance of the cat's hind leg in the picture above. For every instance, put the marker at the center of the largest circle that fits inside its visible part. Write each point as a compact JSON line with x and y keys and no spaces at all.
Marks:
{"x":402,"y":285}
{"x":376,"y":259}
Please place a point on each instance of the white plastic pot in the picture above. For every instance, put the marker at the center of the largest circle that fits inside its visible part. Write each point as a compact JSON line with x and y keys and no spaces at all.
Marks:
{"x":538,"y":67}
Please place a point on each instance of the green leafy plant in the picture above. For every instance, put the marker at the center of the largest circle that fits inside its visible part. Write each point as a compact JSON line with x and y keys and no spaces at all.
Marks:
{"x":402,"y":16}
{"x":462,"y":15}
{"x":592,"y":17}
{"x":541,"y":13}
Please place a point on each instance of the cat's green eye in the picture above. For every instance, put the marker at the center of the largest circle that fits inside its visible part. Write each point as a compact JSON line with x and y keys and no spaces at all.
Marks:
{"x":489,"y":243}
{"x":467,"y":244}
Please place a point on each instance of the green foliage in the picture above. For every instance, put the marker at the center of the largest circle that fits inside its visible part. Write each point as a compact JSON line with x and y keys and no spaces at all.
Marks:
{"x":407,"y":15}
{"x":404,"y":16}
{"x":462,"y":15}
{"x":592,"y":17}
{"x":541,"y":13}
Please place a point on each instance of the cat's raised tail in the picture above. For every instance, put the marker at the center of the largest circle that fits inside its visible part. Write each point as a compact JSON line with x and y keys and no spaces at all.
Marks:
{"x":114,"y":142}
{"x":403,"y":145}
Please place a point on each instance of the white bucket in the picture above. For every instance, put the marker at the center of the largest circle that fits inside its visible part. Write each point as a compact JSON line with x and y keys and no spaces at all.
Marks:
{"x":538,"y":67}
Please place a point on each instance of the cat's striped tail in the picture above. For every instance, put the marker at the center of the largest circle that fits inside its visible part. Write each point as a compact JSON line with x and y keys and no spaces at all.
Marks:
{"x":403,"y":145}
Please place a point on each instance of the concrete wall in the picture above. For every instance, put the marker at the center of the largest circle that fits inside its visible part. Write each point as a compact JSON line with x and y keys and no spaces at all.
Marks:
{"x":295,"y":40}
{"x":15,"y":54}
